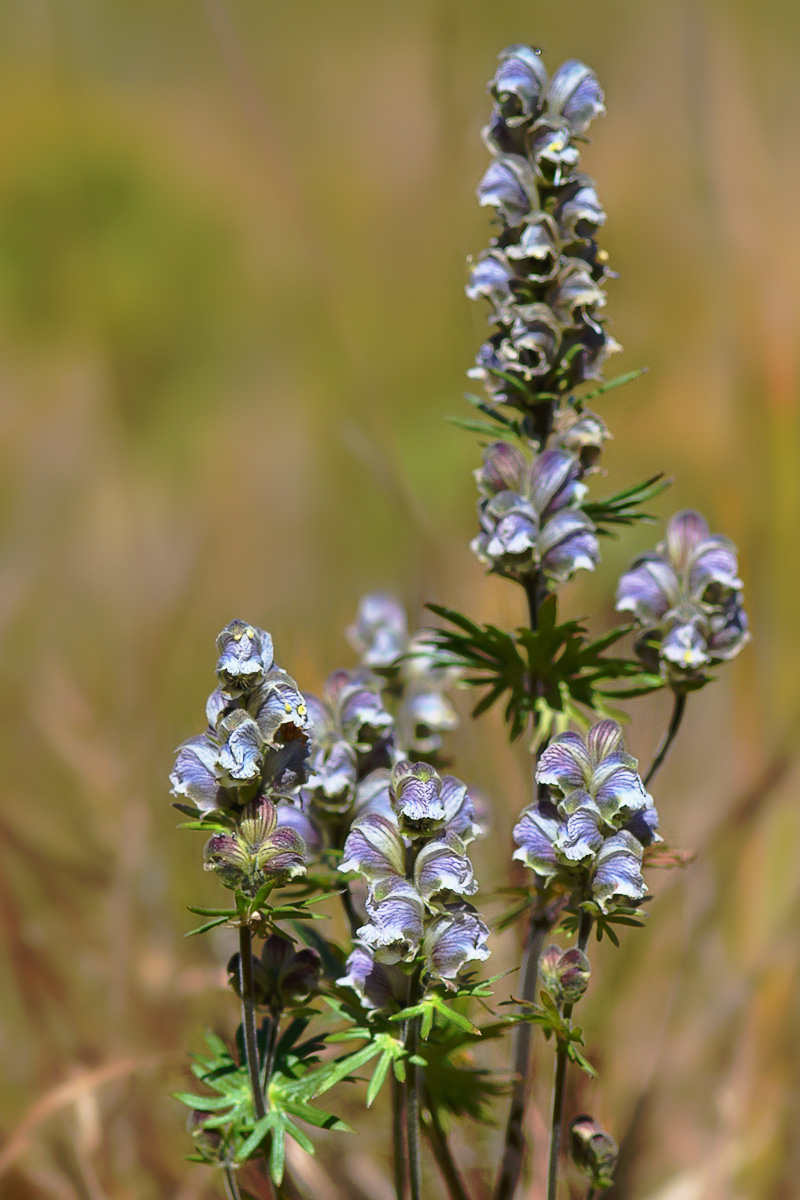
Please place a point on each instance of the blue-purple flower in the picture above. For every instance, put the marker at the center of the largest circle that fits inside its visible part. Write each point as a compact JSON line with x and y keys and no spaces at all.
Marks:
{"x":590,"y":830}
{"x":415,"y":863}
{"x":530,"y":516}
{"x":256,"y":742}
{"x":414,"y":680}
{"x":686,"y":597}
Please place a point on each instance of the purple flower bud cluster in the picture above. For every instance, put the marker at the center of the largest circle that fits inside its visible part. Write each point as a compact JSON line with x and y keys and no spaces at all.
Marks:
{"x":686,"y":597}
{"x":590,"y":832}
{"x":418,"y":876}
{"x":413,"y":677}
{"x":529,"y":515}
{"x":251,"y":756}
{"x":283,"y":976}
{"x":369,"y":719}
{"x":543,"y":274}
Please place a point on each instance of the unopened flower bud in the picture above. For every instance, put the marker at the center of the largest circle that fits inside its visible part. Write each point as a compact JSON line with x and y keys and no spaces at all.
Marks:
{"x":282,"y":976}
{"x":594,"y":1151}
{"x":565,"y":974}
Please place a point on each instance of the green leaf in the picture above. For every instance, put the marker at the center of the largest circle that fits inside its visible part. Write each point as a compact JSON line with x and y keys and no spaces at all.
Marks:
{"x":202,"y":1103}
{"x":208,"y":925}
{"x":472,"y":426}
{"x":260,"y":1131}
{"x":378,"y":1076}
{"x":619,"y":381}
{"x":277,"y":1155}
{"x":623,"y":508}
{"x":210,"y":912}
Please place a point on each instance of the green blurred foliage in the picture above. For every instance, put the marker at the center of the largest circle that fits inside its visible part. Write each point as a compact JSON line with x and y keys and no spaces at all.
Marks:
{"x":232,"y":244}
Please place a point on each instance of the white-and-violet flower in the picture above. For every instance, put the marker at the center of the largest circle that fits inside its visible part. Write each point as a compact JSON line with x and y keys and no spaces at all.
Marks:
{"x":591,"y":830}
{"x":249,"y":763}
{"x":415,"y":681}
{"x":686,"y":597}
{"x":530,"y":516}
{"x":415,"y":863}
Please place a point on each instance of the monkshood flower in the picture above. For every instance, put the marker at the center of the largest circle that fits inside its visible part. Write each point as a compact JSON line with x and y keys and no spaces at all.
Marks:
{"x":381,"y":987}
{"x":257,"y":851}
{"x":417,"y":872}
{"x":590,"y":832}
{"x":245,"y":656}
{"x":529,"y":514}
{"x":351,"y":733}
{"x":256,"y":741}
{"x":543,"y":274}
{"x":282,"y":976}
{"x":414,"y":678}
{"x":687,"y":598}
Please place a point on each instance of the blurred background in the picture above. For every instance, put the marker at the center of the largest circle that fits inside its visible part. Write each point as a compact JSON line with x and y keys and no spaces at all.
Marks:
{"x":232,"y":253}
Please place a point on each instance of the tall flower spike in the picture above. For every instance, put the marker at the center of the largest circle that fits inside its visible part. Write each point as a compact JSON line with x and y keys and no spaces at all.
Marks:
{"x":543,"y":274}
{"x":686,"y":597}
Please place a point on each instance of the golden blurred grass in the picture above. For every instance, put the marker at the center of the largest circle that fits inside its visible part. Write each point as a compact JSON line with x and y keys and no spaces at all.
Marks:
{"x":231,"y":256}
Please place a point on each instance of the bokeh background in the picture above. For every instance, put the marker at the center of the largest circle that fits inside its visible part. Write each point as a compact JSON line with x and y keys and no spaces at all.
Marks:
{"x":232,"y":248}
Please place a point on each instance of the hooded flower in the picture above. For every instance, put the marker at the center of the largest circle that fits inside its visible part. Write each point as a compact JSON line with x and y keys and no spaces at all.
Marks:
{"x":351,"y":732}
{"x":687,"y":598}
{"x":256,"y":742}
{"x":529,"y":514}
{"x":455,"y":937}
{"x":256,"y":851}
{"x":245,"y":656}
{"x":590,"y":831}
{"x":381,"y":987}
{"x":416,"y":682}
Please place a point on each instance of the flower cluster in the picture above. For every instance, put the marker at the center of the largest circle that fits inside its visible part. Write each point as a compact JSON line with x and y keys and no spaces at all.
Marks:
{"x":418,"y":875}
{"x":416,"y":681}
{"x":369,"y":719}
{"x":590,"y":832}
{"x":529,"y":514}
{"x":687,"y":597}
{"x":251,"y":756}
{"x":543,"y":274}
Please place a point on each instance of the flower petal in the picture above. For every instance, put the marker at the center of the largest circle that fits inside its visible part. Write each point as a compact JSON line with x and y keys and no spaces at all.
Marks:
{"x":618,"y":871}
{"x":374,"y":848}
{"x":453,"y":939}
{"x":441,"y":867}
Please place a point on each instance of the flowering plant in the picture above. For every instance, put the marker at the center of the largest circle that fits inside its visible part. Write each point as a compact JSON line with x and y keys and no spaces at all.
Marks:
{"x":347,"y":797}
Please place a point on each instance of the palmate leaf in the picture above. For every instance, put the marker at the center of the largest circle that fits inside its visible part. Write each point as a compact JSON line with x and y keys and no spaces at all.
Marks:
{"x":554,"y":671}
{"x":297,"y":1078}
{"x":623,"y":507}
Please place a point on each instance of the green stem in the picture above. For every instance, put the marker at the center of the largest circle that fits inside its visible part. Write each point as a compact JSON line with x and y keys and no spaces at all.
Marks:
{"x":249,"y":1029}
{"x":273,"y":1026}
{"x":353,"y":918}
{"x":231,"y":1184}
{"x":412,"y":1111}
{"x":678,"y":710}
{"x":444,"y":1158}
{"x":559,"y":1085}
{"x":539,"y":925}
{"x":249,"y":1018}
{"x":398,"y":1139}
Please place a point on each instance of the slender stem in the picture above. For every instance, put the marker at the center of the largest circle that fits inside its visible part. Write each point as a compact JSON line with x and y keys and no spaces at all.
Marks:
{"x":539,"y":925}
{"x":273,"y":1026}
{"x":353,"y":918}
{"x":231,"y":1184}
{"x":444,"y":1158}
{"x":249,"y":1018}
{"x":412,"y":1112}
{"x":398,"y":1139}
{"x":559,"y":1086}
{"x":678,"y":709}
